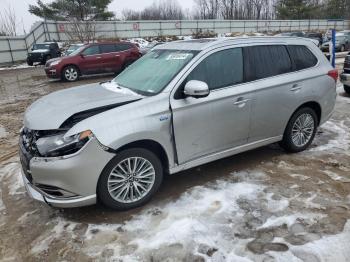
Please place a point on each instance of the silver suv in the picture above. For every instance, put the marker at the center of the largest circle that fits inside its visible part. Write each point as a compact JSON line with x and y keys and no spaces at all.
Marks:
{"x":182,"y":105}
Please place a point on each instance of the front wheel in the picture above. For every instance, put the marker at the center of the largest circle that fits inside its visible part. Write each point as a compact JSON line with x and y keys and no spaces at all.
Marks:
{"x":70,"y":74}
{"x":130,"y":179}
{"x":300,"y":131}
{"x":347,"y":89}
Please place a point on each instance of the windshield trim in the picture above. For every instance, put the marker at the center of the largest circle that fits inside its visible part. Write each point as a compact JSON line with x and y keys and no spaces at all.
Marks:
{"x":145,"y":93}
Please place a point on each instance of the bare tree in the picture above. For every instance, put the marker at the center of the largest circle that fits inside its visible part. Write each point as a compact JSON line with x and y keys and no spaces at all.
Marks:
{"x":227,"y":8}
{"x":82,"y":31}
{"x":129,"y":14}
{"x":8,"y":21}
{"x":162,"y":10}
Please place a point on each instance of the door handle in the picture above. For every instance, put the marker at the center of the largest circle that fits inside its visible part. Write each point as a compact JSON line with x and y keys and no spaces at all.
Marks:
{"x":241,"y":102}
{"x":295,"y":87}
{"x":98,"y":57}
{"x":117,"y":55}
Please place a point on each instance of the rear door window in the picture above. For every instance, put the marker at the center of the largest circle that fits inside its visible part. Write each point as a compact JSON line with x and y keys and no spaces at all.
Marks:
{"x":302,"y":57}
{"x":109,"y":48}
{"x":265,"y":61}
{"x":123,"y":47}
{"x":92,"y":50}
{"x":221,"y":69}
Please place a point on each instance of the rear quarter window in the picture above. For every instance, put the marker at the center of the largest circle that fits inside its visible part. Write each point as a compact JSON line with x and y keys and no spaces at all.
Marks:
{"x":108,"y":48}
{"x":266,"y":61}
{"x":302,"y":57}
{"x":123,"y":47}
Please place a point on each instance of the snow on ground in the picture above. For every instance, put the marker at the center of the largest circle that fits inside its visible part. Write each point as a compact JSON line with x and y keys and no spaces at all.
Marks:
{"x":3,"y":132}
{"x":215,"y":222}
{"x":340,"y":143}
{"x":16,"y":66}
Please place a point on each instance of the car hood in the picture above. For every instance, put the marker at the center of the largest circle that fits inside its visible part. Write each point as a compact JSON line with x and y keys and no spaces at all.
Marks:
{"x":51,"y":111}
{"x":39,"y":51}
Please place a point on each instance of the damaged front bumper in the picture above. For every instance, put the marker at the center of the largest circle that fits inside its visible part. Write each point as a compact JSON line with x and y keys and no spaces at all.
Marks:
{"x":40,"y":196}
{"x":68,"y":181}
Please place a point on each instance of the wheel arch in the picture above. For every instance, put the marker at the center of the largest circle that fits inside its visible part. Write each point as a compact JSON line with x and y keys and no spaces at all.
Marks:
{"x":71,"y":64}
{"x":314,"y":106}
{"x":151,"y":145}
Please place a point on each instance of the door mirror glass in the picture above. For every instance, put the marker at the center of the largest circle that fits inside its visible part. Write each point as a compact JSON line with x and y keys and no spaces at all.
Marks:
{"x":196,"y":89}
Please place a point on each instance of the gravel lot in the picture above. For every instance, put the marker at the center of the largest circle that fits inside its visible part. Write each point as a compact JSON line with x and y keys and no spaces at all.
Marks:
{"x":262,"y":205}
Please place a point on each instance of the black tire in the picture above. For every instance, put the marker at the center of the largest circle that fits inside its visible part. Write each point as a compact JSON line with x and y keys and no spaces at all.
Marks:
{"x":102,"y":187}
{"x":65,"y":77}
{"x":30,"y":62}
{"x":287,"y":143}
{"x":347,"y":89}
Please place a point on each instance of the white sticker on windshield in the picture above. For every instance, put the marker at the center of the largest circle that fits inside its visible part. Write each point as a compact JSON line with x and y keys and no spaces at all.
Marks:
{"x":178,"y":56}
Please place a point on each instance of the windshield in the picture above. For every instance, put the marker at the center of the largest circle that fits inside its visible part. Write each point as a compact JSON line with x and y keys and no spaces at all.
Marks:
{"x":41,"y":46}
{"x":76,"y":51}
{"x":151,"y":73}
{"x":73,"y":47}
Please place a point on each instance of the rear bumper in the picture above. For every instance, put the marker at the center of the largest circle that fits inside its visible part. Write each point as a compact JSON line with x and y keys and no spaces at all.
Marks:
{"x":345,"y":79}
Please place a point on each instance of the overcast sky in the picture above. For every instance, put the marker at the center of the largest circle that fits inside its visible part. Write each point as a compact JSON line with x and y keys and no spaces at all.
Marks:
{"x":21,"y":8}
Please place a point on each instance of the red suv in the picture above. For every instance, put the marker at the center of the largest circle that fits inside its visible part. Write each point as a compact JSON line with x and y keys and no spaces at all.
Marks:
{"x":93,"y":59}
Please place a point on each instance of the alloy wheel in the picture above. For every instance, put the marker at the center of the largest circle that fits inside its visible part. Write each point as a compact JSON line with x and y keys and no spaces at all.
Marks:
{"x":71,"y":74}
{"x":303,"y":129}
{"x":131,"y":179}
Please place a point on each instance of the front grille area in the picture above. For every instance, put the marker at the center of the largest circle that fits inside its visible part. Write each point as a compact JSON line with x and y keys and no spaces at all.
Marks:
{"x":28,"y":139}
{"x":35,"y":57}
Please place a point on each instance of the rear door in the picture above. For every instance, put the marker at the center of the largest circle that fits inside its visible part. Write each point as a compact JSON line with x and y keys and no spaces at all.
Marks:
{"x":279,"y":84}
{"x":110,"y":57}
{"x":126,"y":54}
{"x":219,"y":121}
{"x":90,"y":61}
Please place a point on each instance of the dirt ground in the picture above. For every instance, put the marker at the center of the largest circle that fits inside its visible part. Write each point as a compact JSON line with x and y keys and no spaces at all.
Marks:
{"x":262,"y":205}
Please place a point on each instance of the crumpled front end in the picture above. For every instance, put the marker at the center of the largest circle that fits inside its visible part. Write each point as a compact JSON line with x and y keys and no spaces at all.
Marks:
{"x":62,"y":181}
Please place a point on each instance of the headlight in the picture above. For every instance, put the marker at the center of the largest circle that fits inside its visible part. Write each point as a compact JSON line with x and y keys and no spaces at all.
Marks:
{"x":55,"y":62}
{"x":58,"y":145}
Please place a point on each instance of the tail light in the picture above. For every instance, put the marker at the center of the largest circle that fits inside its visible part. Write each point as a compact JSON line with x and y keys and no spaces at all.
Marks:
{"x":333,"y":74}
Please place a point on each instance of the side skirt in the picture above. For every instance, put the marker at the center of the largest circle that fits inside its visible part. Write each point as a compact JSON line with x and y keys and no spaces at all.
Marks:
{"x":224,"y":153}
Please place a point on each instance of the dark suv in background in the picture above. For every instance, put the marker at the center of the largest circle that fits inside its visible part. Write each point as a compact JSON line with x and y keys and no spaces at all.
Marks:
{"x":43,"y":52}
{"x":93,"y":59}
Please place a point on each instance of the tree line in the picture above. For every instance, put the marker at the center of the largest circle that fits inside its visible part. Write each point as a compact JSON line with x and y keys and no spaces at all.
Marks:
{"x":76,"y":11}
{"x":203,"y":9}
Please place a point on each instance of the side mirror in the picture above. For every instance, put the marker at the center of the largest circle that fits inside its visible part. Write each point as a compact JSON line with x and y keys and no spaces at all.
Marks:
{"x":81,"y":55}
{"x":196,"y":89}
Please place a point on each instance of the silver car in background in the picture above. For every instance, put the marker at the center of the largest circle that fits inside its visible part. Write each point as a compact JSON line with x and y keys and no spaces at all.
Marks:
{"x":183,"y":104}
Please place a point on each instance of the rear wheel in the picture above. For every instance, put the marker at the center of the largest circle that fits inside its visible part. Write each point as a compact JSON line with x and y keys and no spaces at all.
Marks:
{"x":130,"y":179}
{"x":300,"y":131}
{"x":30,"y":62}
{"x":347,"y":89}
{"x":70,"y":73}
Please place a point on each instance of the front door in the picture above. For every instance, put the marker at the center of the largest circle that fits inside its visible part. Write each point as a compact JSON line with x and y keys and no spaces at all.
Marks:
{"x":219,"y":121}
{"x":91,"y":61}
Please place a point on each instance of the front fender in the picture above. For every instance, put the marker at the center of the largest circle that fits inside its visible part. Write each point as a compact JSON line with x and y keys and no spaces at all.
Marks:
{"x":145,"y":119}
